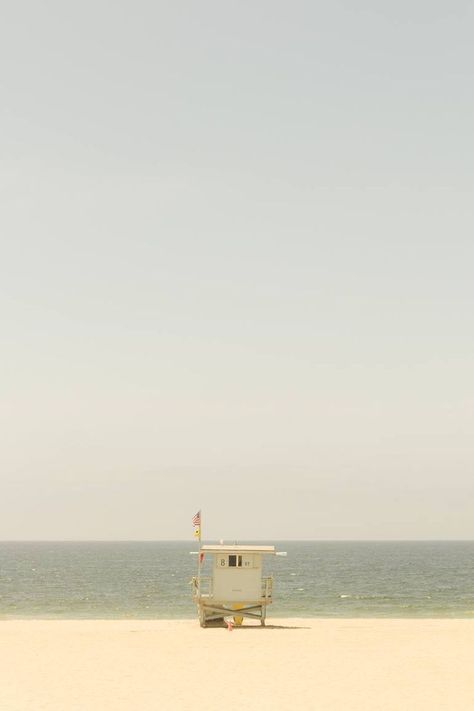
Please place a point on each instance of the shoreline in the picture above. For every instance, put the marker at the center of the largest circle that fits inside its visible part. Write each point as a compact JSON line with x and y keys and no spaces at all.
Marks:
{"x":358,"y":664}
{"x":169,"y":621}
{"x":247,"y":623}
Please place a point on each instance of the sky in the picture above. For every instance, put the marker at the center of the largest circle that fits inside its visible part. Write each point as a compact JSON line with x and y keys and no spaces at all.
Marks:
{"x":236,"y":249}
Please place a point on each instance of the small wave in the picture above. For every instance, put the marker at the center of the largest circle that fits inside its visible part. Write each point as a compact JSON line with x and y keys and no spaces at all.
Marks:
{"x":345,"y":595}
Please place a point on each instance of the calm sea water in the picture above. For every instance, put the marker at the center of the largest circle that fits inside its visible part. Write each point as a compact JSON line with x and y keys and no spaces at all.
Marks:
{"x":317,"y":579}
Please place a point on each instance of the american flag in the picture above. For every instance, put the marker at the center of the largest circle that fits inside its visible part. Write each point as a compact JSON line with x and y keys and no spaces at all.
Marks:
{"x":197,"y":519}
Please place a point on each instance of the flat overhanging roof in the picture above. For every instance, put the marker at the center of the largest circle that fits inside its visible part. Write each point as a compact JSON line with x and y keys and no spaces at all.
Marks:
{"x":237,"y":548}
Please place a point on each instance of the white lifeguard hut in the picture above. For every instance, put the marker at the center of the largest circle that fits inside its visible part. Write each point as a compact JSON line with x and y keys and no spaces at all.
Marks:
{"x":235,"y":586}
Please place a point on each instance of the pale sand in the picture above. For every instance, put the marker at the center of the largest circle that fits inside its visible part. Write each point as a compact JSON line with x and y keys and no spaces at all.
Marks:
{"x":343,"y":665}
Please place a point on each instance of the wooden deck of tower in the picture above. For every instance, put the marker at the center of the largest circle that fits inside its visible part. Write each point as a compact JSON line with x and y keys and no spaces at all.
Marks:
{"x":236,"y":586}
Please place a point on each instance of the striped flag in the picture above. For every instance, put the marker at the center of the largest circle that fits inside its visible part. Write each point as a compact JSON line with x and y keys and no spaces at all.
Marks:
{"x":197,"y":519}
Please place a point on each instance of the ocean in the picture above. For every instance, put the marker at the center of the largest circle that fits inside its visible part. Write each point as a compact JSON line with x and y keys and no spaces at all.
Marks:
{"x":97,"y":580}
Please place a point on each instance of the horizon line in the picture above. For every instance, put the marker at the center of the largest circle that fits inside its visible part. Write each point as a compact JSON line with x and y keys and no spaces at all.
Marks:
{"x":245,"y":540}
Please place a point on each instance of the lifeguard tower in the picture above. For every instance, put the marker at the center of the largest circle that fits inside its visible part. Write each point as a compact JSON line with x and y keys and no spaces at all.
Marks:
{"x":235,"y":586}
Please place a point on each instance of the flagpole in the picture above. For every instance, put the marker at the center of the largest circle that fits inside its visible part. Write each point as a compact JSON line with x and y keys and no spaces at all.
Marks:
{"x":199,"y":551}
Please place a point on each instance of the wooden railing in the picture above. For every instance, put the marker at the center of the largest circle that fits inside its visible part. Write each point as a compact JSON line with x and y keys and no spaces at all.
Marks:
{"x":267,"y":588}
{"x":202,"y":587}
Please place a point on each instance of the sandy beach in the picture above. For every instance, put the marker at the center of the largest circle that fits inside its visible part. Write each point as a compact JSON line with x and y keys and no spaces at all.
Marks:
{"x":292,"y":664}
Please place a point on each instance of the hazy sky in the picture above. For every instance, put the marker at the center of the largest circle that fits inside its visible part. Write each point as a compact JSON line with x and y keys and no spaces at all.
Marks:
{"x":236,"y":269}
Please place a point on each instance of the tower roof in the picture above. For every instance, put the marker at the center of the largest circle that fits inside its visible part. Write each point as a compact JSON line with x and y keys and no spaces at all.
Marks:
{"x":223,"y":548}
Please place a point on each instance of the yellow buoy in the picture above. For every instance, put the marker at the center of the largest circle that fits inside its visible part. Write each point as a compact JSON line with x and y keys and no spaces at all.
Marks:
{"x":238,"y":619}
